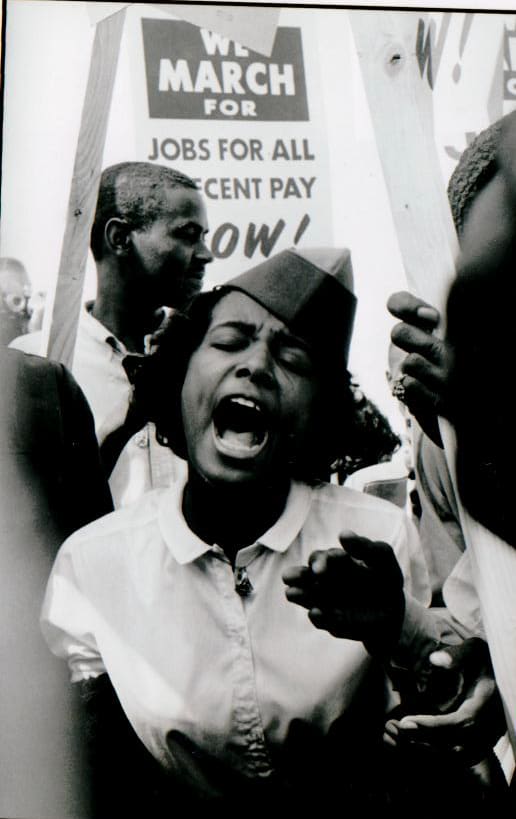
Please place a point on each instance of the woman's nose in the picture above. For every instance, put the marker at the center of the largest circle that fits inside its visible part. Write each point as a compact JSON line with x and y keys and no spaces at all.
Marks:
{"x":257,"y":365}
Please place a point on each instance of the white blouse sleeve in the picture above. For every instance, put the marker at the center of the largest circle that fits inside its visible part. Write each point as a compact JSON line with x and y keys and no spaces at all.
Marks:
{"x":422,"y":626}
{"x":408,"y":551}
{"x":68,"y":620}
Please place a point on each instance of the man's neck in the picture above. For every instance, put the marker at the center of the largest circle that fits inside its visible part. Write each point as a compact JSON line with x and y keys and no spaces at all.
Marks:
{"x":128,"y":323}
{"x":232,"y":516}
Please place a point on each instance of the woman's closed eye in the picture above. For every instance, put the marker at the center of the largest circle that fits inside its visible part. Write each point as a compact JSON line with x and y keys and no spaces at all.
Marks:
{"x":294,"y":358}
{"x":229,"y":339}
{"x":286,"y":350}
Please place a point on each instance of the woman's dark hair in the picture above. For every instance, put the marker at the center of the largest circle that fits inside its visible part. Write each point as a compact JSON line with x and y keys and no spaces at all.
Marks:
{"x":158,"y":382}
{"x":372,"y":440}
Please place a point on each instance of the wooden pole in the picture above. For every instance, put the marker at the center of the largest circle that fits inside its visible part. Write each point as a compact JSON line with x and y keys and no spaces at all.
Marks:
{"x":84,"y":187}
{"x":400,"y":101}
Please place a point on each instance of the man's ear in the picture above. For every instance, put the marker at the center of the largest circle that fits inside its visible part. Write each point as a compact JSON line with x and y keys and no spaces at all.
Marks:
{"x":117,"y":234}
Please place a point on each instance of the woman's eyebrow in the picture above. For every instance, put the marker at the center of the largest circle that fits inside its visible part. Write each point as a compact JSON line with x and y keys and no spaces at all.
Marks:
{"x":243,"y":326}
{"x":249,"y":328}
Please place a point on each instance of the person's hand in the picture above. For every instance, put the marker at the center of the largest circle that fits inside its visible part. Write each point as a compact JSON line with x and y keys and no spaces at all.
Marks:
{"x":355,"y":592}
{"x":427,"y":364}
{"x":456,"y":684}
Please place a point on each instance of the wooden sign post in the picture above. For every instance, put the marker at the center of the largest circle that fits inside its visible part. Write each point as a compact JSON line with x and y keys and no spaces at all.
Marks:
{"x":400,"y":101}
{"x":84,"y":187}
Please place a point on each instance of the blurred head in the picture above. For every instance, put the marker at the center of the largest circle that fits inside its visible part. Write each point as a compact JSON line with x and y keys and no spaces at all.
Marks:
{"x":15,"y":286}
{"x":14,"y":295}
{"x":262,"y":389}
{"x":152,"y":219}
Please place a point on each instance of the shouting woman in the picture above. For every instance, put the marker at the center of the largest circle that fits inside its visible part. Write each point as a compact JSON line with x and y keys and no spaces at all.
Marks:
{"x":180,"y":608}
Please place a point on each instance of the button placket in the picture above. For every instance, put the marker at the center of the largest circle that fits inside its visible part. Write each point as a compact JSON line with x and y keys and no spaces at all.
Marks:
{"x":246,"y":713}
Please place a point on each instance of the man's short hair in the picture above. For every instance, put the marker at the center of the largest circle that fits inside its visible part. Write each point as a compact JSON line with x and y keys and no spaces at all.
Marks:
{"x":133,"y":191}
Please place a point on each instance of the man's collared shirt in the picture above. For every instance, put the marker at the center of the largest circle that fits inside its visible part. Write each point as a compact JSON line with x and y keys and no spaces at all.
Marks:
{"x":97,"y":366}
{"x":138,"y":595}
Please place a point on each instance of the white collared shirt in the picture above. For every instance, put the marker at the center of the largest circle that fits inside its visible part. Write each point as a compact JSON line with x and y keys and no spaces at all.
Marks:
{"x":138,"y":595}
{"x":97,"y":366}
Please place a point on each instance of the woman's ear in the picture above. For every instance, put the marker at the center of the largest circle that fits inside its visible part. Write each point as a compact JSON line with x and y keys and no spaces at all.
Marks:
{"x":117,"y":235}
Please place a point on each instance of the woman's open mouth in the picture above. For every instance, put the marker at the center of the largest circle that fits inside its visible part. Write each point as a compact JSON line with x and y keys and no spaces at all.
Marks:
{"x":240,"y":427}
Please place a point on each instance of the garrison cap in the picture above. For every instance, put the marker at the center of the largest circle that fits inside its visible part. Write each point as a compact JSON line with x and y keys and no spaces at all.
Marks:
{"x":310,"y":290}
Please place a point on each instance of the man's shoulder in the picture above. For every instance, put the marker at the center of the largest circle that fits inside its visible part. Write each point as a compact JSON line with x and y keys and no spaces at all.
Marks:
{"x":349,"y":497}
{"x":30,"y":374}
{"x":366,"y":514}
{"x":29,"y":343}
{"x":395,"y":469}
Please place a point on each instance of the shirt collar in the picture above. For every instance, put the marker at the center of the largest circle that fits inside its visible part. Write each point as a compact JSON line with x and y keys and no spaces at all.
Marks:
{"x":187,"y":547}
{"x":182,"y":542}
{"x":97,"y":330}
{"x":292,"y":519}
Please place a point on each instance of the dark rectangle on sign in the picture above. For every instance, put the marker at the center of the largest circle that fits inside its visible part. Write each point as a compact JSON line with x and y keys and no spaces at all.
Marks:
{"x":192,"y":73}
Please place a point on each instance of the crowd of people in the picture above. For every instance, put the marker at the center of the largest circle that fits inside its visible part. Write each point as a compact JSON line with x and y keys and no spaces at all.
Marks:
{"x":240,"y":629}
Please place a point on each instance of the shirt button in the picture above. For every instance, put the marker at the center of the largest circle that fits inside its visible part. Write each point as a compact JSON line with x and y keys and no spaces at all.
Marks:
{"x":141,"y":438}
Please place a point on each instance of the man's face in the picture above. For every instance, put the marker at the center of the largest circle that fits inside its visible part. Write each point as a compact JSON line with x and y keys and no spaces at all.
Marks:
{"x":248,"y":395}
{"x":170,"y":253}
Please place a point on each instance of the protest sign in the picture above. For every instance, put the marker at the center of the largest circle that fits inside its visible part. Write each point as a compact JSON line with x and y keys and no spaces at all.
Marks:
{"x":266,"y":181}
{"x":247,"y":127}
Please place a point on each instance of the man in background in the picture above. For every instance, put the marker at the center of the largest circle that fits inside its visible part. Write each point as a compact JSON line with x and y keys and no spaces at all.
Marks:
{"x":148,"y":242}
{"x":15,"y":291}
